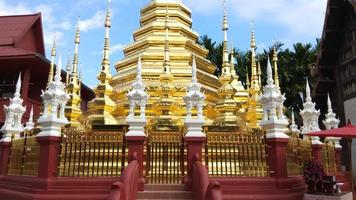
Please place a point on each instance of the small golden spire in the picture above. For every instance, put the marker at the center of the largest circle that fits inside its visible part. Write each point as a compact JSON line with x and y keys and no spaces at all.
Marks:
{"x":275,"y":66}
{"x":254,"y":74}
{"x":106,"y":53}
{"x":75,"y":58}
{"x":53,"y":56}
{"x":166,"y":63}
{"x":225,"y":65}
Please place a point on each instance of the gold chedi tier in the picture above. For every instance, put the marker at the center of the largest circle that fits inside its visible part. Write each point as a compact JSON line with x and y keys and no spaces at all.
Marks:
{"x":150,"y":43}
{"x":72,"y":110}
{"x":102,"y":106}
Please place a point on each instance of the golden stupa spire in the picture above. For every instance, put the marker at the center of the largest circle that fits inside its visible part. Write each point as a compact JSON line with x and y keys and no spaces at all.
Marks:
{"x":254,"y":75}
{"x":226,"y":71}
{"x":166,"y":63}
{"x":275,"y":66}
{"x":73,"y":108}
{"x":53,"y":56}
{"x":226,"y":106}
{"x":102,"y":106}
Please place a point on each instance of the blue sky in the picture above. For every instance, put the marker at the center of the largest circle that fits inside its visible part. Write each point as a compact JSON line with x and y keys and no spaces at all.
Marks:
{"x":288,"y":21}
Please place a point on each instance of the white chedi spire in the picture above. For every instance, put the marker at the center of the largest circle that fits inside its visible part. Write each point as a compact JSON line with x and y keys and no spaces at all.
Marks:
{"x":13,"y":115}
{"x":54,"y":99}
{"x":30,"y":124}
{"x":331,"y":122}
{"x":293,"y":126}
{"x":137,"y":97}
{"x":194,"y":97}
{"x":310,"y":116}
{"x":274,"y":121}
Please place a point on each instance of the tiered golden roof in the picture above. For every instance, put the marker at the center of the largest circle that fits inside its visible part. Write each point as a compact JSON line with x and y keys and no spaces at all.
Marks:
{"x":102,"y":106}
{"x":72,"y":110}
{"x":150,"y":42}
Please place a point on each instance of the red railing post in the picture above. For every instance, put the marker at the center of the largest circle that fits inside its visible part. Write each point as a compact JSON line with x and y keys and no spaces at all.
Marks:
{"x":4,"y":157}
{"x":277,"y":156}
{"x":49,"y":150}
{"x":135,"y":147}
{"x":194,"y":149}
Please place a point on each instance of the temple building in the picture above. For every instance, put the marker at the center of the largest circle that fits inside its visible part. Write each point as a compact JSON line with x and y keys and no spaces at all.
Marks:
{"x":26,"y":55}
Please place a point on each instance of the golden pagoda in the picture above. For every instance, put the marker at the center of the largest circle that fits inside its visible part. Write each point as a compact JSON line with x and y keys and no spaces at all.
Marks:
{"x":254,"y":109}
{"x":102,"y":106}
{"x":72,"y":110}
{"x":165,"y":41}
{"x":227,"y":107}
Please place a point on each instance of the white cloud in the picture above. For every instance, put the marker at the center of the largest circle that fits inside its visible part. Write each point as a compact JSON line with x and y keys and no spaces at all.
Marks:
{"x":116,"y":48}
{"x":96,"y":21}
{"x":299,"y":17}
{"x":17,"y":9}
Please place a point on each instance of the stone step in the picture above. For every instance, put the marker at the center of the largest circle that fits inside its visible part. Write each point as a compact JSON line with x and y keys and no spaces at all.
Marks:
{"x":164,"y":195}
{"x":164,"y":187}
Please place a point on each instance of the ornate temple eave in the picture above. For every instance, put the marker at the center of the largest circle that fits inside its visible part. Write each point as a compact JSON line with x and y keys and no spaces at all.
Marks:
{"x":163,"y":4}
{"x":160,"y":12}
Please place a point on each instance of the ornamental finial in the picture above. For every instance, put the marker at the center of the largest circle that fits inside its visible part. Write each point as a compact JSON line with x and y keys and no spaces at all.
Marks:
{"x":57,"y":77}
{"x":53,"y":55}
{"x":269,"y":73}
{"x":253,"y":41}
{"x":18,"y":86}
{"x":307,"y":90}
{"x":275,"y":66}
{"x":194,"y":70}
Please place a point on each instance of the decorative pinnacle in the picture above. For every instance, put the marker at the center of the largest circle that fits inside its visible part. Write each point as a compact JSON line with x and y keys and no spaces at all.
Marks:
{"x":247,"y":79}
{"x":57,"y":77}
{"x":269,"y":73}
{"x":225,"y":20}
{"x":275,"y":66}
{"x":194,"y":70}
{"x":253,"y":41}
{"x":330,"y":109}
{"x":53,"y":55}
{"x":18,"y":86}
{"x":108,"y":15}
{"x":139,"y":70}
{"x":307,"y":91}
{"x":77,"y":42}
{"x":293,"y":118}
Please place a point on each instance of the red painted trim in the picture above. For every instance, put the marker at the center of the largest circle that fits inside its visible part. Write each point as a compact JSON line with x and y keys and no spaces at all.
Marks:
{"x":277,"y":156}
{"x":316,"y":152}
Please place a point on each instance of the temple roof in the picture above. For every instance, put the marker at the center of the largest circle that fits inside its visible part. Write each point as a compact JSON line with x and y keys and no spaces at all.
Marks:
{"x":17,"y":30}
